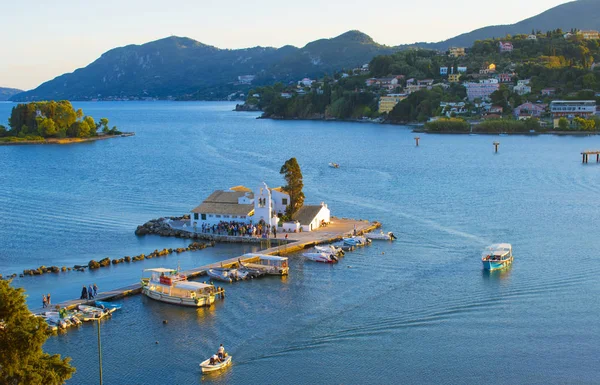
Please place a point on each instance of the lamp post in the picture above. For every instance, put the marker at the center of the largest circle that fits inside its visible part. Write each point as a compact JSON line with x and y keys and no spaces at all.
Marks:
{"x":99,"y":352}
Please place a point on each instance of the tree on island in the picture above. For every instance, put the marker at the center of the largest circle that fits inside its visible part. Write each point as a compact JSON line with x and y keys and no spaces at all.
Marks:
{"x":54,"y":120}
{"x":293,"y":177}
{"x":22,"y":360}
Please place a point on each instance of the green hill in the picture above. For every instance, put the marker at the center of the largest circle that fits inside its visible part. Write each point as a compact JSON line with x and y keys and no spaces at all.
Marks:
{"x":183,"y":68}
{"x":581,"y":14}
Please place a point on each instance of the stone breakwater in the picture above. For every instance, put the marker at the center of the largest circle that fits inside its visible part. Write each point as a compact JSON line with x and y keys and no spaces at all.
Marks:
{"x":161,"y":227}
{"x":93,"y":264}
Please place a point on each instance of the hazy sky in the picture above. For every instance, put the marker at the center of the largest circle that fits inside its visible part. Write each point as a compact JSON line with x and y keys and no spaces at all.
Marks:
{"x":43,"y":39}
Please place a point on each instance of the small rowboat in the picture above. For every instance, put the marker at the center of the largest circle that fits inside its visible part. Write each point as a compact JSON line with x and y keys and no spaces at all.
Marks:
{"x":334,"y":165}
{"x":208,"y":368}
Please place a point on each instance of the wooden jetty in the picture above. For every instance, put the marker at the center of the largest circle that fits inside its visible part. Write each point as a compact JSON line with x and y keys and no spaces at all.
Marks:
{"x":333,"y":232}
{"x":585,"y":155}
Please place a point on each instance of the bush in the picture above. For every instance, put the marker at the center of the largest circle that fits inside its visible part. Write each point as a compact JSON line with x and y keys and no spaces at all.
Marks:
{"x":501,"y":125}
{"x":448,"y":125}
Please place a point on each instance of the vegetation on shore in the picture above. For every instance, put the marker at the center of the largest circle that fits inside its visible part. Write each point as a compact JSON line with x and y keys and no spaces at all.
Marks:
{"x":37,"y":121}
{"x":550,"y":60}
{"x":22,"y":360}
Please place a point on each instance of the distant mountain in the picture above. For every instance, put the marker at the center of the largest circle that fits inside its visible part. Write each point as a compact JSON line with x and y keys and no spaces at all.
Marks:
{"x":180,"y":67}
{"x":581,"y":14}
{"x":7,"y":93}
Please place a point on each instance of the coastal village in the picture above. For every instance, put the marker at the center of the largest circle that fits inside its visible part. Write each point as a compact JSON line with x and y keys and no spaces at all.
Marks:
{"x":494,"y":90}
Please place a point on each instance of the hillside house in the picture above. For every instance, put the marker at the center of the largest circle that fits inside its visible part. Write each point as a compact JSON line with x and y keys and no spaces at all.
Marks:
{"x":505,"y":78}
{"x":456,"y":52}
{"x":483,"y":89}
{"x":505,"y":47}
{"x":529,"y":110}
{"x":590,"y":34}
{"x":388,"y":102}
{"x":549,"y":91}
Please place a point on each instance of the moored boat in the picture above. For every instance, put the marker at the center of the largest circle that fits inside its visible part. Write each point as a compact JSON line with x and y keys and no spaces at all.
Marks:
{"x":223,"y":275}
{"x":389,"y":236}
{"x":166,"y":285}
{"x":268,"y":264}
{"x":321,"y":257}
{"x":206,"y":367}
{"x":331,"y":249}
{"x":497,"y":256}
{"x":108,"y":305}
{"x":356,"y":241}
{"x":334,"y":165}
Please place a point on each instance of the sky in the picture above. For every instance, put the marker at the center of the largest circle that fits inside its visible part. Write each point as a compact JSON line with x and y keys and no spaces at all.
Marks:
{"x":44,"y":39}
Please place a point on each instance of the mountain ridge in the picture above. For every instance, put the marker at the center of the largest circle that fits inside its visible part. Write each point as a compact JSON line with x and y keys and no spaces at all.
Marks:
{"x":183,"y":68}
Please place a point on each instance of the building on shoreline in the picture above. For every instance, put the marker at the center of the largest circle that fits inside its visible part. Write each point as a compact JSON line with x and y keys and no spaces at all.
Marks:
{"x":570,"y":109}
{"x":261,"y":205}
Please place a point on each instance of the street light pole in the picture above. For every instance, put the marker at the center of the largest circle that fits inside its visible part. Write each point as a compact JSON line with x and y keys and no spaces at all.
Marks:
{"x":99,"y":352}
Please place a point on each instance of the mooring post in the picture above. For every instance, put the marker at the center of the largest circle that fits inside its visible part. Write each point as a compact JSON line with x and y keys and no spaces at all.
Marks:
{"x":417,"y":140}
{"x":496,"y":146}
{"x":597,"y":158}
{"x":583,"y":157}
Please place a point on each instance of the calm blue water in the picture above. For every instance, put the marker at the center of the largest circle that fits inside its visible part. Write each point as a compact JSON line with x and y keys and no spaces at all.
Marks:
{"x":417,"y":311}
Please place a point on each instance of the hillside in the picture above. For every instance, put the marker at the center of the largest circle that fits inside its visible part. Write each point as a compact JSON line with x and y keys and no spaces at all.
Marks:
{"x":183,"y":68}
{"x":581,"y":14}
{"x":7,"y":93}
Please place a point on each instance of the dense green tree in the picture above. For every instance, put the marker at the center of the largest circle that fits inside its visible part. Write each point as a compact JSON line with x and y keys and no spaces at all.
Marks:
{"x":52,"y":119}
{"x":293,"y":177}
{"x":563,"y":124}
{"x":22,"y":360}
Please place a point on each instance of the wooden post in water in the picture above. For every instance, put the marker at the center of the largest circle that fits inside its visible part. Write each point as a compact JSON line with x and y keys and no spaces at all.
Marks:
{"x":496,"y":144}
{"x":582,"y":157}
{"x":417,"y":140}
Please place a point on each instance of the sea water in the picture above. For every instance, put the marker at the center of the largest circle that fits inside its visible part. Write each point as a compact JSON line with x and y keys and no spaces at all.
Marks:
{"x":419,"y":310}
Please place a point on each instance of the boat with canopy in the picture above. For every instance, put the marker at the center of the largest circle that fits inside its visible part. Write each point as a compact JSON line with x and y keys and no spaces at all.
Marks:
{"x":167,"y":285}
{"x":497,"y":256}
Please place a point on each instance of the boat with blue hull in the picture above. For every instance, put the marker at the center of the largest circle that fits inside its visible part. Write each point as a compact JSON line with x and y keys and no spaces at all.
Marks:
{"x":497,"y":256}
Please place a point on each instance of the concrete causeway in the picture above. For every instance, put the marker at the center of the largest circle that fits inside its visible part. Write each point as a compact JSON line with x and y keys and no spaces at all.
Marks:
{"x":333,"y":232}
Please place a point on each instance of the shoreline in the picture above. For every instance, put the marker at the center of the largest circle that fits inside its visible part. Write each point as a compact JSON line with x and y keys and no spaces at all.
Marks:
{"x":61,"y":141}
{"x":418,"y":127}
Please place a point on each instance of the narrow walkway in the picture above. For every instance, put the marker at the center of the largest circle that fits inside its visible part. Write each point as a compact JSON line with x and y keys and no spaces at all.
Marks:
{"x":334,"y":232}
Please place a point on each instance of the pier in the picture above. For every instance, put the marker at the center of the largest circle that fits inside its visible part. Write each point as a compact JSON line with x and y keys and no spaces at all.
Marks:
{"x":586,"y":154}
{"x":333,"y":232}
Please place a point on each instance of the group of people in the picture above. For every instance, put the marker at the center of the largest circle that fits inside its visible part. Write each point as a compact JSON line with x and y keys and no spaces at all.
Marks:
{"x":219,"y":357}
{"x":88,"y":292}
{"x":46,"y":300}
{"x":240,"y":229}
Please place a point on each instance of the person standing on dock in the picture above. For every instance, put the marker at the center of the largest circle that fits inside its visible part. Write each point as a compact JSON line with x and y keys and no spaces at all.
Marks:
{"x":275,"y":231}
{"x":95,"y":290}
{"x":90,"y":292}
{"x":48,"y":300}
{"x":84,"y":294}
{"x":44,"y":301}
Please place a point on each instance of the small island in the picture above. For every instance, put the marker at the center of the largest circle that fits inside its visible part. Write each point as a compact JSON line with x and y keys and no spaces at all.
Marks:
{"x":54,"y":122}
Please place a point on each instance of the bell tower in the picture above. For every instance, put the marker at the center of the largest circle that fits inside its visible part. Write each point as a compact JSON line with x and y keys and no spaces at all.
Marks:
{"x":262,"y":204}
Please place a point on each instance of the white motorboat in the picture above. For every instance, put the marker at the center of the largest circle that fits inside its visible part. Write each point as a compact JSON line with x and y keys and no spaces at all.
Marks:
{"x":166,"y":285}
{"x":337,"y":251}
{"x":268,"y":264}
{"x":223,"y":275}
{"x":334,"y":165}
{"x":389,"y":236}
{"x":208,"y":368}
{"x":321,"y":257}
{"x":356,"y":241}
